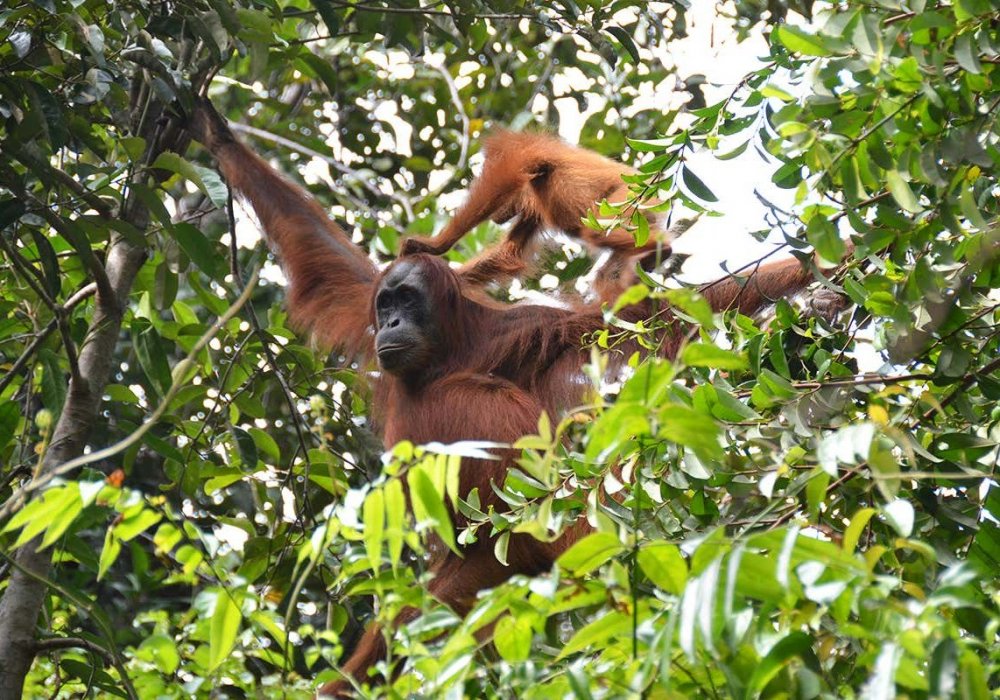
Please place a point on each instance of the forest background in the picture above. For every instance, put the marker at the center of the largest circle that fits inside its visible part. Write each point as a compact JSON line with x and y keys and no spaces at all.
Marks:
{"x":192,"y":503}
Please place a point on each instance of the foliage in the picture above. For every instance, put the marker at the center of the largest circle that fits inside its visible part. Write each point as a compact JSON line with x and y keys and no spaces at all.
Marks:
{"x":770,"y":519}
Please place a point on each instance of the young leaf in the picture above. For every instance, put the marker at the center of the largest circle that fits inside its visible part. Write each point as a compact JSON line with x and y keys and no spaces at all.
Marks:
{"x":373,"y":516}
{"x":663,"y":564}
{"x":428,"y":505}
{"x":590,"y":552}
{"x":224,"y":628}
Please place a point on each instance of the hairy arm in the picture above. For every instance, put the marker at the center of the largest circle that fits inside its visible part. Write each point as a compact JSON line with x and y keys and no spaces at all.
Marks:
{"x":498,"y":192}
{"x":331,"y":278}
{"x":761,"y":286}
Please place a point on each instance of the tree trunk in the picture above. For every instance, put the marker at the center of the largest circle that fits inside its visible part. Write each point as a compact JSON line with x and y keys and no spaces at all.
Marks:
{"x":22,"y":600}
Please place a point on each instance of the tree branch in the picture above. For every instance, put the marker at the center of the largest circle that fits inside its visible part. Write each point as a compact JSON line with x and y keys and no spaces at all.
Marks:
{"x":56,"y":643}
{"x":180,"y":369}
{"x":430,"y":12}
{"x":40,"y":336}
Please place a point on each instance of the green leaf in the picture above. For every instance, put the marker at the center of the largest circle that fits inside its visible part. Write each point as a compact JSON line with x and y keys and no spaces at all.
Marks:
{"x":395,"y":525}
{"x":46,"y":114}
{"x":900,"y":515}
{"x":161,"y":651}
{"x":771,"y":388}
{"x":11,"y":210}
{"x":794,"y":645}
{"x":317,"y":67}
{"x":970,"y":211}
{"x":208,"y":181}
{"x":901,"y":192}
{"x":136,"y":524}
{"x":664,"y":566}
{"x":708,"y":355}
{"x":617,"y":428}
{"x":610,"y":626}
{"x":265,"y":443}
{"x":627,"y":42}
{"x":967,"y":53}
{"x":823,"y":236}
{"x":512,"y":638}
{"x":857,"y":525}
{"x":688,"y":427}
{"x":799,"y":41}
{"x":109,"y":553}
{"x":500,"y":547}
{"x":50,"y":265}
{"x":152,"y":357}
{"x":246,"y":447}
{"x":868,"y":40}
{"x":943,"y":670}
{"x":721,"y":404}
{"x":591,"y":552}
{"x":641,"y":233}
{"x":201,"y":250}
{"x":373,"y":517}
{"x":43,"y":512}
{"x":632,"y":295}
{"x":62,"y":515}
{"x":10,"y":416}
{"x":53,"y":382}
{"x":696,"y":187}
{"x":225,"y":625}
{"x":217,"y":483}
{"x":428,"y":505}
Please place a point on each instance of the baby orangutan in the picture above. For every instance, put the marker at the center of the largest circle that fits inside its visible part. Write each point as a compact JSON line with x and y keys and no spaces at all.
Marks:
{"x":543,"y":183}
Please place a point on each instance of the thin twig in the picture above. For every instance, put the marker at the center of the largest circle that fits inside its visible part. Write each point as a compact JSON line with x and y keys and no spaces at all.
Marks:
{"x":54,"y":643}
{"x":456,"y":100}
{"x":78,"y":296}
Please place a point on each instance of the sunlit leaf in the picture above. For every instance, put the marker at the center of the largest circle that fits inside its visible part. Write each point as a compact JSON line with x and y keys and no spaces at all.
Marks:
{"x":224,"y":627}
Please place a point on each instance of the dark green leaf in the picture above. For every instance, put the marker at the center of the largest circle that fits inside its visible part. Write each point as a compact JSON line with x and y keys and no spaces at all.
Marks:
{"x":696,"y":186}
{"x":152,"y":357}
{"x":201,"y":250}
{"x":626,"y":41}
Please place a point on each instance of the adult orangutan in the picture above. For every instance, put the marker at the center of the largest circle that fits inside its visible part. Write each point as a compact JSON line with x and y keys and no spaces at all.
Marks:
{"x":454,"y":365}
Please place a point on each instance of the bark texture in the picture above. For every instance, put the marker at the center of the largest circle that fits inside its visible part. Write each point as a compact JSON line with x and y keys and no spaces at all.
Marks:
{"x":26,"y":590}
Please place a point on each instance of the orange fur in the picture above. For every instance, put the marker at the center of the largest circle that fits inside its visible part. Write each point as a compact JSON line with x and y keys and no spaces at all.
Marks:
{"x":547,"y":184}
